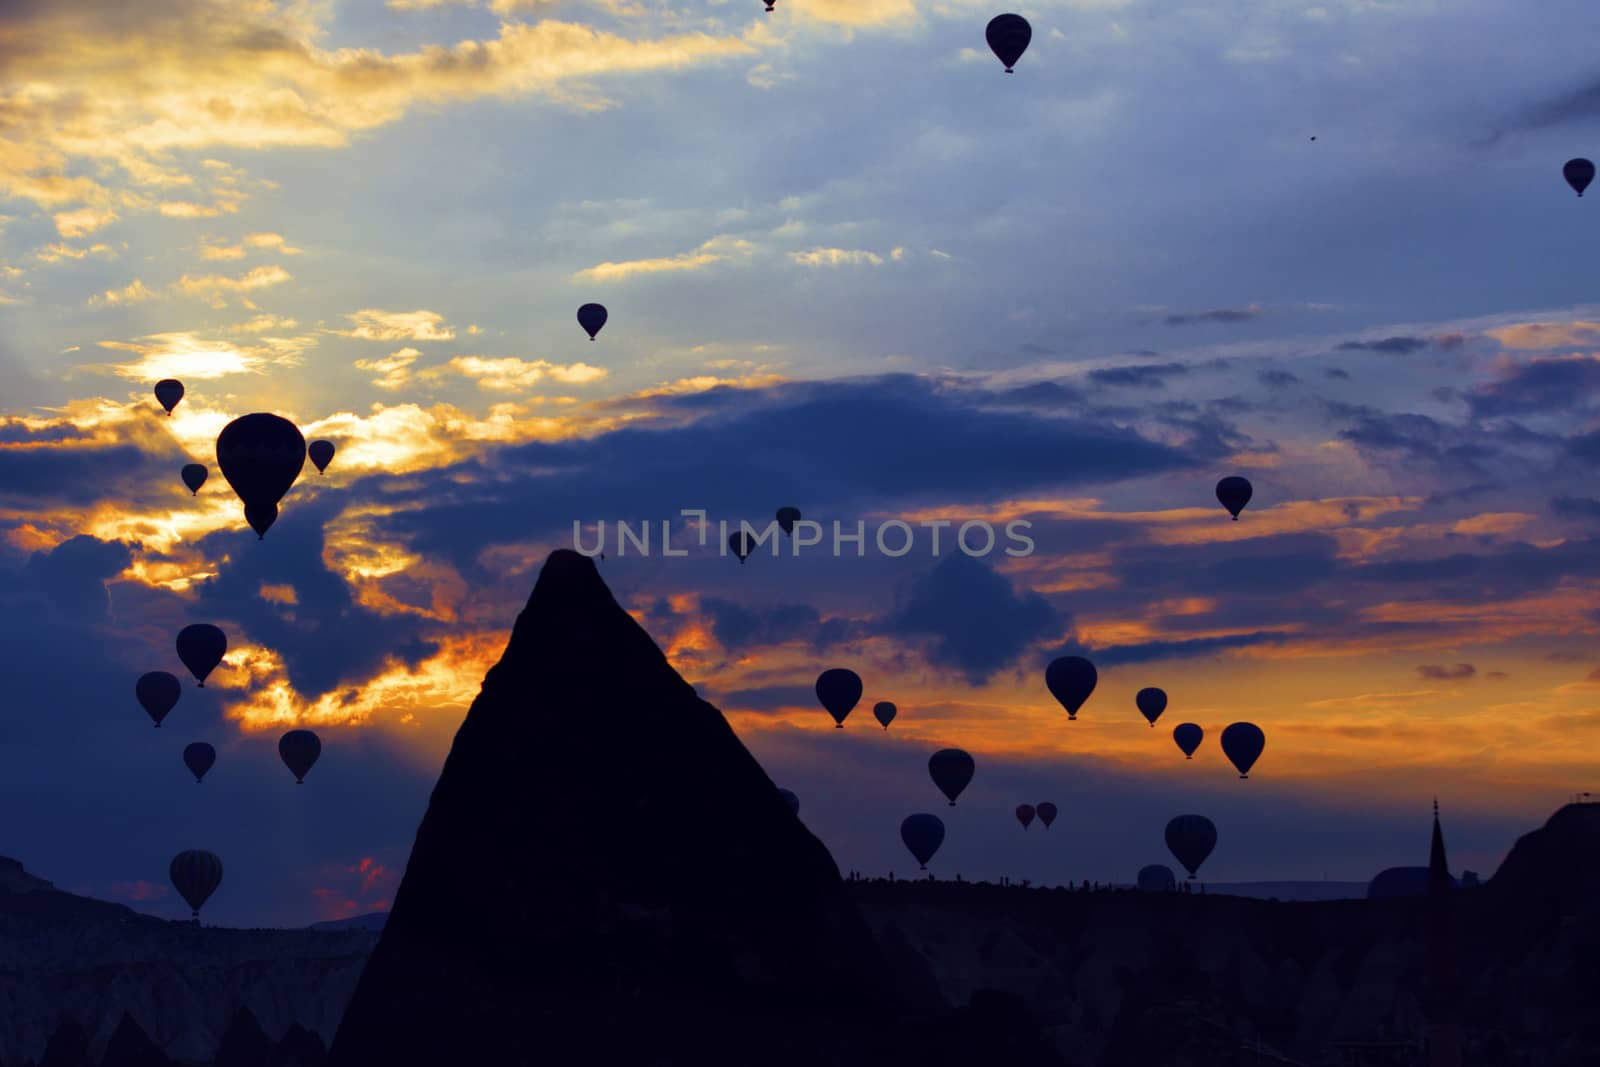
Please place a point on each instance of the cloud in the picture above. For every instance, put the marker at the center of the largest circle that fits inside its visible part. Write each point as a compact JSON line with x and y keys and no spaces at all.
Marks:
{"x":834,"y":257}
{"x":1435,"y":672}
{"x":187,"y":355}
{"x":716,"y":250}
{"x":979,"y":624}
{"x":212,"y":286}
{"x":511,"y":375}
{"x":1575,"y":507}
{"x":1579,"y":104}
{"x":738,"y":628}
{"x":1275,"y":378}
{"x":136,"y":292}
{"x":768,"y":698}
{"x":1141,"y":375}
{"x":1156,"y":651}
{"x":1539,"y":386}
{"x":394,"y":370}
{"x":82,"y":221}
{"x":1398,"y":346}
{"x":372,"y":324}
{"x":1218,"y":315}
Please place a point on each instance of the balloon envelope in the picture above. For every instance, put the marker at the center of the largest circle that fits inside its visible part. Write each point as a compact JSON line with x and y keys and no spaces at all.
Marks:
{"x":1047,"y":813}
{"x":261,"y":456}
{"x":787,"y":517}
{"x":199,"y":757}
{"x":742,"y":544}
{"x":922,"y":834}
{"x":1234,"y":493}
{"x":158,"y":693}
{"x":591,"y":317}
{"x":1151,"y":703}
{"x":299,"y":749}
{"x":1188,"y":735}
{"x":951,"y":769}
{"x":884,"y":711}
{"x":1071,"y":679}
{"x":791,"y":800}
{"x":1242,"y":743}
{"x":201,"y":647}
{"x":194,"y":476}
{"x":168,"y":392}
{"x":1190,"y":838}
{"x":838,"y":688}
{"x":1025,"y":815}
{"x":1157,"y":878}
{"x":1008,"y":37}
{"x":195,"y":875}
{"x":1579,"y":173}
{"x":321,"y":453}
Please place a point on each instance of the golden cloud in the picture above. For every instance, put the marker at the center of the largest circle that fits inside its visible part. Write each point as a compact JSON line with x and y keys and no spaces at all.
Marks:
{"x":82,"y":221}
{"x":394,"y":369}
{"x":716,"y":250}
{"x":372,"y":324}
{"x":834,"y":257}
{"x":509,"y":375}
{"x":1537,"y":335}
{"x":188,"y":355}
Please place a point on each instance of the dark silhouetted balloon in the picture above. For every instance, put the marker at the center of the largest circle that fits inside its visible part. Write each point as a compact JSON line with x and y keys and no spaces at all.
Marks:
{"x":1151,"y":703}
{"x":1242,"y":743}
{"x":158,"y":693}
{"x":839,"y":688}
{"x":1008,"y":37}
{"x":1025,"y":815}
{"x":1234,"y":492}
{"x":591,"y":317}
{"x":1071,"y":679}
{"x":1157,"y":878}
{"x":787,"y":517}
{"x":952,"y":770}
{"x":199,"y":757}
{"x":321,"y":453}
{"x":770,"y":3}
{"x":169,"y":391}
{"x":299,"y":749}
{"x":201,"y":647}
{"x":742,"y":544}
{"x":1047,"y":813}
{"x":923,"y":834}
{"x":1191,"y":838}
{"x":1188,"y":735}
{"x":1579,"y":173}
{"x":194,"y":476}
{"x":196,"y":875}
{"x":884,"y":711}
{"x":261,"y":456}
{"x":791,"y":800}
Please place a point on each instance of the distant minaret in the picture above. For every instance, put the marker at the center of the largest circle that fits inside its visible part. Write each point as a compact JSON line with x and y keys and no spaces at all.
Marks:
{"x":1442,"y":1002}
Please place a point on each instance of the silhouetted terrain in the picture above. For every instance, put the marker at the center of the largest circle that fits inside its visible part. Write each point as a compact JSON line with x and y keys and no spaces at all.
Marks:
{"x":650,"y":899}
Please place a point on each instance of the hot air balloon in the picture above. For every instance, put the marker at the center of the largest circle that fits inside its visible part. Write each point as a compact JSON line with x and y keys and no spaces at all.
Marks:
{"x":195,"y":875}
{"x":1188,"y":735}
{"x":791,"y":800}
{"x":199,"y":757}
{"x":742,"y":544}
{"x":194,"y":476}
{"x":1008,"y":37}
{"x":158,"y":692}
{"x":1191,"y":838}
{"x":1071,"y":679}
{"x":591,"y":317}
{"x":952,"y":770}
{"x":839,"y":689}
{"x":1025,"y":815}
{"x":201,"y":647}
{"x":1242,"y":743}
{"x":1047,"y":813}
{"x":1157,"y":878}
{"x":770,"y":3}
{"x":1579,"y":173}
{"x":787,"y":517}
{"x":884,"y":711}
{"x":299,"y":749}
{"x":1151,"y":703}
{"x":923,"y":834}
{"x":321,"y":453}
{"x":169,"y":391}
{"x":1234,"y":493}
{"x":261,"y":456}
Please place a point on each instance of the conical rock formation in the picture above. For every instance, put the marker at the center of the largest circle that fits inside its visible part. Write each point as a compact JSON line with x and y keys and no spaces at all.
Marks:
{"x":606,"y":876}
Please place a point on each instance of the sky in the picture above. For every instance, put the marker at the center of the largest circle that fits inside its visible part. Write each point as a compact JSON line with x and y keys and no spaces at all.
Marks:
{"x":854,"y":267}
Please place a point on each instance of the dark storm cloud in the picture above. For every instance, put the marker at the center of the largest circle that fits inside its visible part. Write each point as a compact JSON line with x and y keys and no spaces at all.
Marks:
{"x":35,"y":477}
{"x":1579,"y":104}
{"x":70,"y":579}
{"x":737,"y":627}
{"x":978,"y":622}
{"x":1043,"y":394}
{"x":867,"y":443}
{"x":1398,"y":346}
{"x":1154,"y":651}
{"x":1146,"y":376}
{"x":1216,"y":315}
{"x":1438,"y":672}
{"x":1276,"y":379}
{"x":1539,"y":387}
{"x":1575,"y":507}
